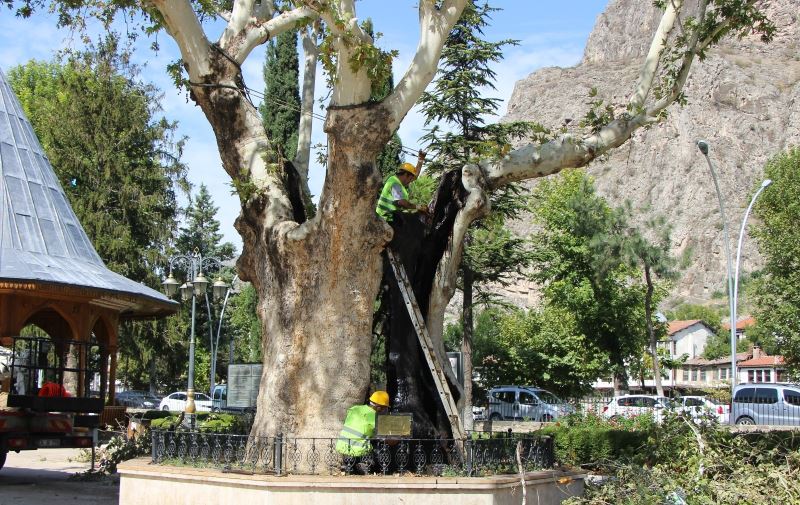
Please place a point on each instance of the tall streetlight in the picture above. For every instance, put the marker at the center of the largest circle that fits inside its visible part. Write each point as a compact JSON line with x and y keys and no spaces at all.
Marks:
{"x":764,"y":184}
{"x":194,"y":264}
{"x":703,"y":146}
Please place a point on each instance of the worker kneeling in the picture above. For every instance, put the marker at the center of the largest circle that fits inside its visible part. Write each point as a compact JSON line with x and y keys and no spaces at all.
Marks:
{"x":359,"y":427}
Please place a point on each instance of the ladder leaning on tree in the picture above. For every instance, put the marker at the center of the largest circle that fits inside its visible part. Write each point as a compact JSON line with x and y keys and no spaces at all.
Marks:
{"x":435,"y":366}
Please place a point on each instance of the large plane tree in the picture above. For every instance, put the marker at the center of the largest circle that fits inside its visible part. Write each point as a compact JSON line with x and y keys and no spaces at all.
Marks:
{"x":317,"y":276}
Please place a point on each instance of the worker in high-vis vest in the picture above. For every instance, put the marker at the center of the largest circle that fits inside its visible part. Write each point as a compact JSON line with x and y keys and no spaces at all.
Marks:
{"x":359,"y":425}
{"x":394,"y":196}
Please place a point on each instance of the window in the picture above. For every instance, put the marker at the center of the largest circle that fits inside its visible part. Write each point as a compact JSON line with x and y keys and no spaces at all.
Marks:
{"x":504,"y":396}
{"x":744,"y":395}
{"x":703,"y":375}
{"x":780,"y":375}
{"x":792,"y":397}
{"x":685,"y":375}
{"x":694,"y":374}
{"x":180,"y":396}
{"x":751,"y":376}
{"x":527,"y":399}
{"x":766,"y":395}
{"x":645,"y":402}
{"x":767,"y":375}
{"x":723,"y":373}
{"x":693,"y":402}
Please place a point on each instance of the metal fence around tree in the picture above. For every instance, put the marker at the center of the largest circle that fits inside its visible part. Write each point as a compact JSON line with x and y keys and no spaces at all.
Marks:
{"x":480,"y":454}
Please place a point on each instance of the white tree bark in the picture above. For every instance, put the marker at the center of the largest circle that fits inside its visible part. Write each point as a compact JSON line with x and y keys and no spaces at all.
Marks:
{"x":310,"y":55}
{"x":435,"y":24}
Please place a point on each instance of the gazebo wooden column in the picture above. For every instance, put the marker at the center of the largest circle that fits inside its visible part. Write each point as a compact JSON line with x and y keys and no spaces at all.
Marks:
{"x":112,"y":375}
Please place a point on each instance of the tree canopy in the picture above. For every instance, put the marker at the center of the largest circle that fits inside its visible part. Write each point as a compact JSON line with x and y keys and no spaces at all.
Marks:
{"x":320,"y":274}
{"x":778,"y":292}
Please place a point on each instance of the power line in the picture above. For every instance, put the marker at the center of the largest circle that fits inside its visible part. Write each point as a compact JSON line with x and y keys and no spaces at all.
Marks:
{"x":287,"y":105}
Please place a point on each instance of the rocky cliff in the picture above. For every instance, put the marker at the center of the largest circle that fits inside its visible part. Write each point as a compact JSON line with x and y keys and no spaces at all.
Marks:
{"x":744,"y":99}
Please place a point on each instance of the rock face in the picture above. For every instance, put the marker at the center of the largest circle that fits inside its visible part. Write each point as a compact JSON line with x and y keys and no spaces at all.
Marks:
{"x":744,"y":99}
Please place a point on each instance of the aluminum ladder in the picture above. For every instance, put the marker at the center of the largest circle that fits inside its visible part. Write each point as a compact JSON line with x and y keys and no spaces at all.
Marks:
{"x":439,"y":378}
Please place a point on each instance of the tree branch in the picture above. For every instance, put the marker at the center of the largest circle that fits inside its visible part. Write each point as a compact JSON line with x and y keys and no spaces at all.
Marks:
{"x":310,"y":53}
{"x":657,"y":46}
{"x":435,"y":25}
{"x":444,"y":283}
{"x":257,"y":31}
{"x":182,"y":24}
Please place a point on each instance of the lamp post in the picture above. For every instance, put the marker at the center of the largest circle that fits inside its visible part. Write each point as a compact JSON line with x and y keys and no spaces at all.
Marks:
{"x":194,"y":264}
{"x":227,"y":290}
{"x":764,"y":184}
{"x":703,"y":146}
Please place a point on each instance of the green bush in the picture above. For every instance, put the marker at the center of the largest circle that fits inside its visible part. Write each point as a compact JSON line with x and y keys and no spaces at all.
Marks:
{"x":592,"y":439}
{"x":690,"y":463}
{"x":207,"y":422}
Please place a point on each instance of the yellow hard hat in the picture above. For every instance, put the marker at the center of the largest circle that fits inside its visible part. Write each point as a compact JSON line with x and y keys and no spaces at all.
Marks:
{"x":380,"y":398}
{"x":408,"y":167}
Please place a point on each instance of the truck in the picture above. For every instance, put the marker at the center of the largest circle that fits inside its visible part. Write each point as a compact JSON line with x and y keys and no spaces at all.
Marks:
{"x":241,"y":391}
{"x":46,"y":399}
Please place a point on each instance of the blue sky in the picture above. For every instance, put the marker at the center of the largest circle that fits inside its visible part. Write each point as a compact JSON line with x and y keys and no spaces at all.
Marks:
{"x":550,"y":34}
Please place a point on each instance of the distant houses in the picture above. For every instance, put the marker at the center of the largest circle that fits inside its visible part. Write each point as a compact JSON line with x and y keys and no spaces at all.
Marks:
{"x":689,"y":339}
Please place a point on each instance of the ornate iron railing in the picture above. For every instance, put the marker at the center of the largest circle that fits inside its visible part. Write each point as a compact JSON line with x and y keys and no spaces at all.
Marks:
{"x":478,"y":455}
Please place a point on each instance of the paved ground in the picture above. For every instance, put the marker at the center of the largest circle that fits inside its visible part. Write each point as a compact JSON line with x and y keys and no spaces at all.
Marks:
{"x":43,"y":477}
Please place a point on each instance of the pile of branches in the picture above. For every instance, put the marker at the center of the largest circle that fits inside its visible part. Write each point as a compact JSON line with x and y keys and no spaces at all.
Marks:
{"x":685,"y":462}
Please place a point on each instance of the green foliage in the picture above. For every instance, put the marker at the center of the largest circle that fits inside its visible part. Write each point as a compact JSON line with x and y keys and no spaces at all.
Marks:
{"x":685,"y":462}
{"x":280,"y":110}
{"x":711,"y":316}
{"x":531,"y":347}
{"x":243,"y":325}
{"x":593,"y":440}
{"x":604,"y":297}
{"x":778,"y":237}
{"x":207,"y":422}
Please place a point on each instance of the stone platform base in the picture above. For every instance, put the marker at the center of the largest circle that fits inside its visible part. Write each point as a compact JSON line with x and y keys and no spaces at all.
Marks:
{"x":142,"y":483}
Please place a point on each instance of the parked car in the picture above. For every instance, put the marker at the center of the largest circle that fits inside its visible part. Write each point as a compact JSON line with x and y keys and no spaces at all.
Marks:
{"x":637,"y":405}
{"x":176,"y":402}
{"x":525,"y":403}
{"x":699,"y":406}
{"x":137,"y":399}
{"x":766,"y":403}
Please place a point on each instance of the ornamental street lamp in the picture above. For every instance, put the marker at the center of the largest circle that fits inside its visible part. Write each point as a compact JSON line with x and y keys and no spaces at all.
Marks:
{"x":194,"y":265}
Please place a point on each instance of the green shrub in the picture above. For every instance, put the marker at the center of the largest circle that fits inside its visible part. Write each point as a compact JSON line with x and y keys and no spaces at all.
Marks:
{"x":207,"y":422}
{"x":690,"y":463}
{"x":592,"y":439}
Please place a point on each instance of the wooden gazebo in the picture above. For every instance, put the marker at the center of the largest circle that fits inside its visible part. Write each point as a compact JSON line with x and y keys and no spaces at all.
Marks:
{"x":50,"y":274}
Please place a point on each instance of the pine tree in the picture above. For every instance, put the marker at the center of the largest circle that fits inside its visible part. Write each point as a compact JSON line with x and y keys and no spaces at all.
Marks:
{"x":280,"y":110}
{"x":458,"y":110}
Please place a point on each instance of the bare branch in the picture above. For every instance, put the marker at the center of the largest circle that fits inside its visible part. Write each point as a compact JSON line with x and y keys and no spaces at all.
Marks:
{"x":311,"y":53}
{"x":182,"y":24}
{"x":256,"y":35}
{"x":435,"y":24}
{"x":444,"y":283}
{"x":657,"y":47}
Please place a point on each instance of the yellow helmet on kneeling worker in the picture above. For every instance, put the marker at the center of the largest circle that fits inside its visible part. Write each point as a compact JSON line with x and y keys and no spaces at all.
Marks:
{"x":380,"y":398}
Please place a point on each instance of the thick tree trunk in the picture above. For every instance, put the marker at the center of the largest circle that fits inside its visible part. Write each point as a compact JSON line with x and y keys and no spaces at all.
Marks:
{"x":317,"y":282}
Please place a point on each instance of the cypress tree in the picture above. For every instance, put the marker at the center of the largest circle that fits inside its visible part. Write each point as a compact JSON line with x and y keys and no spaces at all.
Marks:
{"x":280,"y":110}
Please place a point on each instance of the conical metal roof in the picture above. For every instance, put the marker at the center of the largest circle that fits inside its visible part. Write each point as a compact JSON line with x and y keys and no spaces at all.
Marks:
{"x":41,"y":240}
